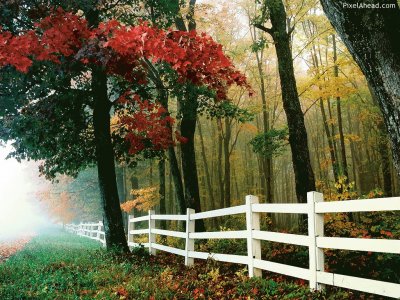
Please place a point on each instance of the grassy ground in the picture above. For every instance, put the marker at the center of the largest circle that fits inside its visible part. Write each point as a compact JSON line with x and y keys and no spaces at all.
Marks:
{"x":58,"y":265}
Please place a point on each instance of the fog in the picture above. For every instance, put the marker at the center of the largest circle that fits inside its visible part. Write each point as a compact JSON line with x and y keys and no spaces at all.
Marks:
{"x":20,"y":214}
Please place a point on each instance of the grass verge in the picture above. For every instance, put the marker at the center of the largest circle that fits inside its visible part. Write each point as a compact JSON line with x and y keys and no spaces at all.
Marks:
{"x":58,"y":265}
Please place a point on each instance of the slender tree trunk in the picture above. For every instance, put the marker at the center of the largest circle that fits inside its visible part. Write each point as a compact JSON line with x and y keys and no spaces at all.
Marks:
{"x":112,"y":216}
{"x":304,"y":175}
{"x":344,"y":168}
{"x":266,"y":162}
{"x":227,"y":165}
{"x":372,"y":37}
{"x":206,"y":169}
{"x":175,"y":173}
{"x":330,"y":141}
{"x":161,"y":191}
{"x":219,"y":166}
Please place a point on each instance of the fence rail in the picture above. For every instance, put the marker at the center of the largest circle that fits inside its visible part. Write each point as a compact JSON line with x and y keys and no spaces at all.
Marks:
{"x":94,"y":231}
{"x":315,"y":209}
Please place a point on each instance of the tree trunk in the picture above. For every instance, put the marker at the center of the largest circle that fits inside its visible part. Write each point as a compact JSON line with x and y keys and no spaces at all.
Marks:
{"x":161,"y":191}
{"x":344,"y":168}
{"x":266,"y":162}
{"x":189,"y":167}
{"x":112,"y":216}
{"x":188,"y":128}
{"x":206,"y":168}
{"x":330,"y":141}
{"x":227,"y":164}
{"x":304,"y":175}
{"x":175,"y":173}
{"x":219,"y":166}
{"x":371,"y":35}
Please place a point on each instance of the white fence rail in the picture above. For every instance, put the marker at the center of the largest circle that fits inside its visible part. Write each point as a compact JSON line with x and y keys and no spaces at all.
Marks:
{"x":315,"y":209}
{"x":94,"y":231}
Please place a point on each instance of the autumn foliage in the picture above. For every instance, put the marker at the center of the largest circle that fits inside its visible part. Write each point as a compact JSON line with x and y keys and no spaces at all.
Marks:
{"x":126,"y":51}
{"x":145,"y":199}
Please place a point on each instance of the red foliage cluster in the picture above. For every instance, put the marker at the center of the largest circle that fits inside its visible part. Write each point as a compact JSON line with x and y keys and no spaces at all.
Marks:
{"x":147,"y":127}
{"x":60,"y":34}
{"x":122,"y":49}
{"x":63,"y":33}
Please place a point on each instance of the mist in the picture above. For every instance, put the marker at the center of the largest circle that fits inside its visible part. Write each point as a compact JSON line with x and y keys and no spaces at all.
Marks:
{"x":20,"y":213}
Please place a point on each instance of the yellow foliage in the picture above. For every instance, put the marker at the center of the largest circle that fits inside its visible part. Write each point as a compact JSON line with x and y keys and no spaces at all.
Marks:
{"x":145,"y":199}
{"x":343,"y":190}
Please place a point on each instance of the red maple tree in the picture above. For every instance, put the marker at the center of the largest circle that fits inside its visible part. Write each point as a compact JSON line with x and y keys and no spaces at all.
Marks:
{"x":121,"y":49}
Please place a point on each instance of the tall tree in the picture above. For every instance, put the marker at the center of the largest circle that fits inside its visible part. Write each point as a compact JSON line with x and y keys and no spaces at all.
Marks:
{"x":371,"y":34}
{"x":281,"y":34}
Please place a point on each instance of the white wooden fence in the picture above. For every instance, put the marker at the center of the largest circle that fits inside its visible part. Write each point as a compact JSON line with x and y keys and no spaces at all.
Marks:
{"x":315,"y":209}
{"x":91,"y":230}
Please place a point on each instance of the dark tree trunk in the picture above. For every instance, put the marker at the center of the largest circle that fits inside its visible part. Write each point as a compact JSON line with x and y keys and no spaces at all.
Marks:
{"x":304,"y":175}
{"x":189,"y":167}
{"x":372,"y":37}
{"x":112,"y":216}
{"x":188,"y":128}
{"x":177,"y":180}
{"x":227,"y":164}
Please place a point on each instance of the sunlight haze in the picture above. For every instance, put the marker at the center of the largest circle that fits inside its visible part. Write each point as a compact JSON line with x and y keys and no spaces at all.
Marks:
{"x":18,"y":215}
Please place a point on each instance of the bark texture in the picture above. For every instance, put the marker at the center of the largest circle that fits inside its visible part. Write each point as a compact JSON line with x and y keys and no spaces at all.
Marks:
{"x":372,"y":37}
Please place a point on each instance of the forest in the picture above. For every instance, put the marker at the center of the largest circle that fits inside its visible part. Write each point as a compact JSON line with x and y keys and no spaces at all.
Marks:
{"x":322,"y":129}
{"x":131,"y":107}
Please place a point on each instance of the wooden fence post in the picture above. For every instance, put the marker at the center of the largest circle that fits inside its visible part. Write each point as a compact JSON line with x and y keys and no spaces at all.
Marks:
{"x":131,"y":226}
{"x":152,"y":236}
{"x":189,"y":245}
{"x":315,"y":229}
{"x":253,"y":245}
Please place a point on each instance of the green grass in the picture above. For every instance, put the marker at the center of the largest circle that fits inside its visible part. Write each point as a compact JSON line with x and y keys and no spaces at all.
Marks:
{"x":58,"y":265}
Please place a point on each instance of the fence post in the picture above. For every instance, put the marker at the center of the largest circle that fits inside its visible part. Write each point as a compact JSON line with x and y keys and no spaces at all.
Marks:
{"x":315,"y":229}
{"x":253,"y":246}
{"x":131,"y":226}
{"x":152,"y":236}
{"x":190,"y":227}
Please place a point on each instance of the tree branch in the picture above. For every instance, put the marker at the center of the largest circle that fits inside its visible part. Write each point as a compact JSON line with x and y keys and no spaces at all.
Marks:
{"x":263,"y":28}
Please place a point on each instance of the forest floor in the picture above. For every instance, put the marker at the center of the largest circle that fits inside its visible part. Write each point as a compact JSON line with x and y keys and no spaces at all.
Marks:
{"x":59,"y":265}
